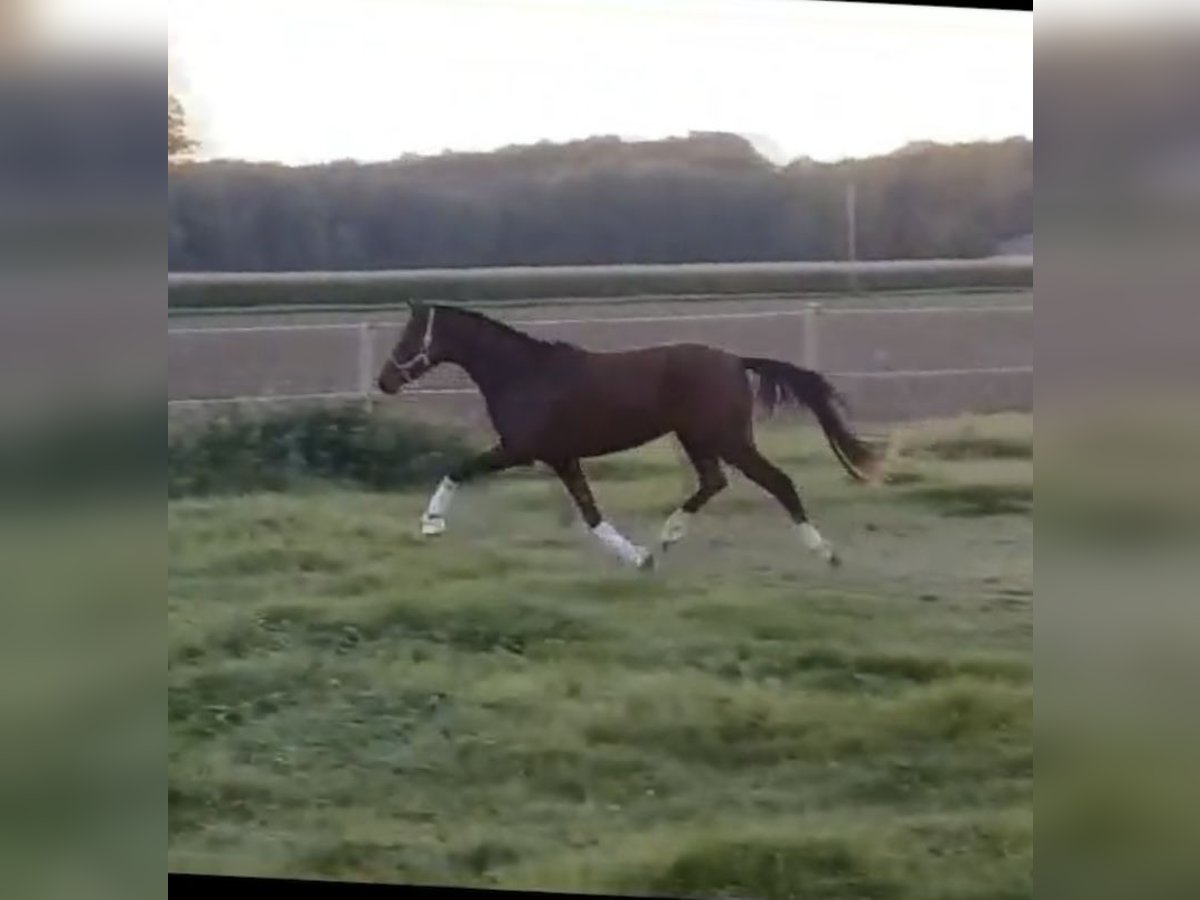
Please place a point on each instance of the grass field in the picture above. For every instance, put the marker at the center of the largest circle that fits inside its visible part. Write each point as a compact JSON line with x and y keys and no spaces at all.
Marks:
{"x":507,"y":707}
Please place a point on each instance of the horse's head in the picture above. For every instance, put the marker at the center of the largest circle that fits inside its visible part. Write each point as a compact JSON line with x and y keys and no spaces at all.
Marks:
{"x":414,"y":354}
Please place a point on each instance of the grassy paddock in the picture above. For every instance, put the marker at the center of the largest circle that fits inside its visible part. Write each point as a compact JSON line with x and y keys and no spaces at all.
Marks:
{"x":506,"y":707}
{"x":291,"y":289}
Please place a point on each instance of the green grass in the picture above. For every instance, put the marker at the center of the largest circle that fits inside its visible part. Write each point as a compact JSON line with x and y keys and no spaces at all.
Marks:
{"x":507,"y":707}
{"x":297,"y":449}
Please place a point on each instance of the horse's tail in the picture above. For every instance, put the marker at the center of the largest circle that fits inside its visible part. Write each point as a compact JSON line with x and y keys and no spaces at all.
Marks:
{"x":781,"y":382}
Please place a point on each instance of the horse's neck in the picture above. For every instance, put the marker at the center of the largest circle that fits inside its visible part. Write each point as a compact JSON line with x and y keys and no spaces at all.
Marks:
{"x":493,"y":361}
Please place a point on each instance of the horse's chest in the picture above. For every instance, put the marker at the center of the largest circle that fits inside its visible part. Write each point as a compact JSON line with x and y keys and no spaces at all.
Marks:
{"x":523,"y":414}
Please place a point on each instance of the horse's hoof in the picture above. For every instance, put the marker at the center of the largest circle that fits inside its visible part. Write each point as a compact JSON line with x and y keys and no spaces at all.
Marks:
{"x":431,"y":527}
{"x":835,"y":561}
{"x":646,"y":564}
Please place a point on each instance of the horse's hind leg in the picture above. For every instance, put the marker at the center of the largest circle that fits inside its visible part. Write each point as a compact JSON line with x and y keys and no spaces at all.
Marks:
{"x":747,"y":459}
{"x":576,"y":483}
{"x":712,"y":481}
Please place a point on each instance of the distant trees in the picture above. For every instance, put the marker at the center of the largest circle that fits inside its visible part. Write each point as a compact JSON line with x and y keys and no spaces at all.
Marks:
{"x":704,"y":198}
{"x":179,"y":140}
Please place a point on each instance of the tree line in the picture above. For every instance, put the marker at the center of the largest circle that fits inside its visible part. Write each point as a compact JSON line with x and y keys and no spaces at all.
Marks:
{"x":707,"y":197}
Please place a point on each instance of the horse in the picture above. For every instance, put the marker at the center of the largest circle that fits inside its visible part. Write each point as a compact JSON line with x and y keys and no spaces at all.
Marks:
{"x":556,"y":403}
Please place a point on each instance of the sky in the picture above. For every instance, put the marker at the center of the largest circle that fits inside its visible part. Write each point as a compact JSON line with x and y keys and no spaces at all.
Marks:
{"x":307,"y":81}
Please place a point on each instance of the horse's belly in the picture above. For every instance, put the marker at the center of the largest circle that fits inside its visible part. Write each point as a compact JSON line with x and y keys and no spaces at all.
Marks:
{"x":604,"y":427}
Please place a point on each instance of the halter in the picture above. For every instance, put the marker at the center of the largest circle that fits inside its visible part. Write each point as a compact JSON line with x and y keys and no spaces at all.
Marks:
{"x":421,"y":356}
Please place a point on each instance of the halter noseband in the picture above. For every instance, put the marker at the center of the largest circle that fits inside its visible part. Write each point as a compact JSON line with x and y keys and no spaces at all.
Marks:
{"x":421,"y":356}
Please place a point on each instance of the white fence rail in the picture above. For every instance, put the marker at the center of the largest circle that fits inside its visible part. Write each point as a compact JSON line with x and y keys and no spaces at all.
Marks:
{"x":345,"y":356}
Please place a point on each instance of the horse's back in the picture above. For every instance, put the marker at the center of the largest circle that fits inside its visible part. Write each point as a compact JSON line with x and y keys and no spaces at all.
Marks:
{"x":683,"y":353}
{"x":677,"y":365}
{"x":702,"y":363}
{"x":695,"y":388}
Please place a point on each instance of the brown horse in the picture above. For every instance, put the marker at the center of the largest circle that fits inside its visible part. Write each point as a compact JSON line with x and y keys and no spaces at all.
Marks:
{"x":556,"y":403}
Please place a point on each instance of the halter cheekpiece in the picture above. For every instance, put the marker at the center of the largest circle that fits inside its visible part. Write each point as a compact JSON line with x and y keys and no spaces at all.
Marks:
{"x":421,"y":356}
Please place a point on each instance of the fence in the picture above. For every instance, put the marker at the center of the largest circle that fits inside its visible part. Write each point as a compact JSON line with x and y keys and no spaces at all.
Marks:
{"x":257,"y":290}
{"x":893,"y":363}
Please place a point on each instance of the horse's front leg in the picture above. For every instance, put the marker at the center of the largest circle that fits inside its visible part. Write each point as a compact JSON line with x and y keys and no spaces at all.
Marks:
{"x":497,"y":459}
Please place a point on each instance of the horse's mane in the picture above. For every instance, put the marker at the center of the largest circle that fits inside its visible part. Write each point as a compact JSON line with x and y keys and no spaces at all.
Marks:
{"x":527,"y":339}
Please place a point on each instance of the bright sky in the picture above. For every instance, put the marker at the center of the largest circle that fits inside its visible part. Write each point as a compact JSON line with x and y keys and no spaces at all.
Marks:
{"x":304,"y":81}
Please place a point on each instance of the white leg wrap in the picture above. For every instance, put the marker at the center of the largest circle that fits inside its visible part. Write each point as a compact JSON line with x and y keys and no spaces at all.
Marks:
{"x":434,"y":521}
{"x":618,"y":544}
{"x":813,"y":541}
{"x":675,"y":527}
{"x":439,"y":503}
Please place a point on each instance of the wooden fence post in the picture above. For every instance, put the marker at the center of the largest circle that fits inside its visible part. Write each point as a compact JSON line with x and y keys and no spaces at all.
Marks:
{"x":365,"y":365}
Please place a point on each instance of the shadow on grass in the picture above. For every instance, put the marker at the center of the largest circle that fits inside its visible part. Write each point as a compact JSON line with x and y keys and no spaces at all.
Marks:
{"x":974,"y":500}
{"x":977,"y":447}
